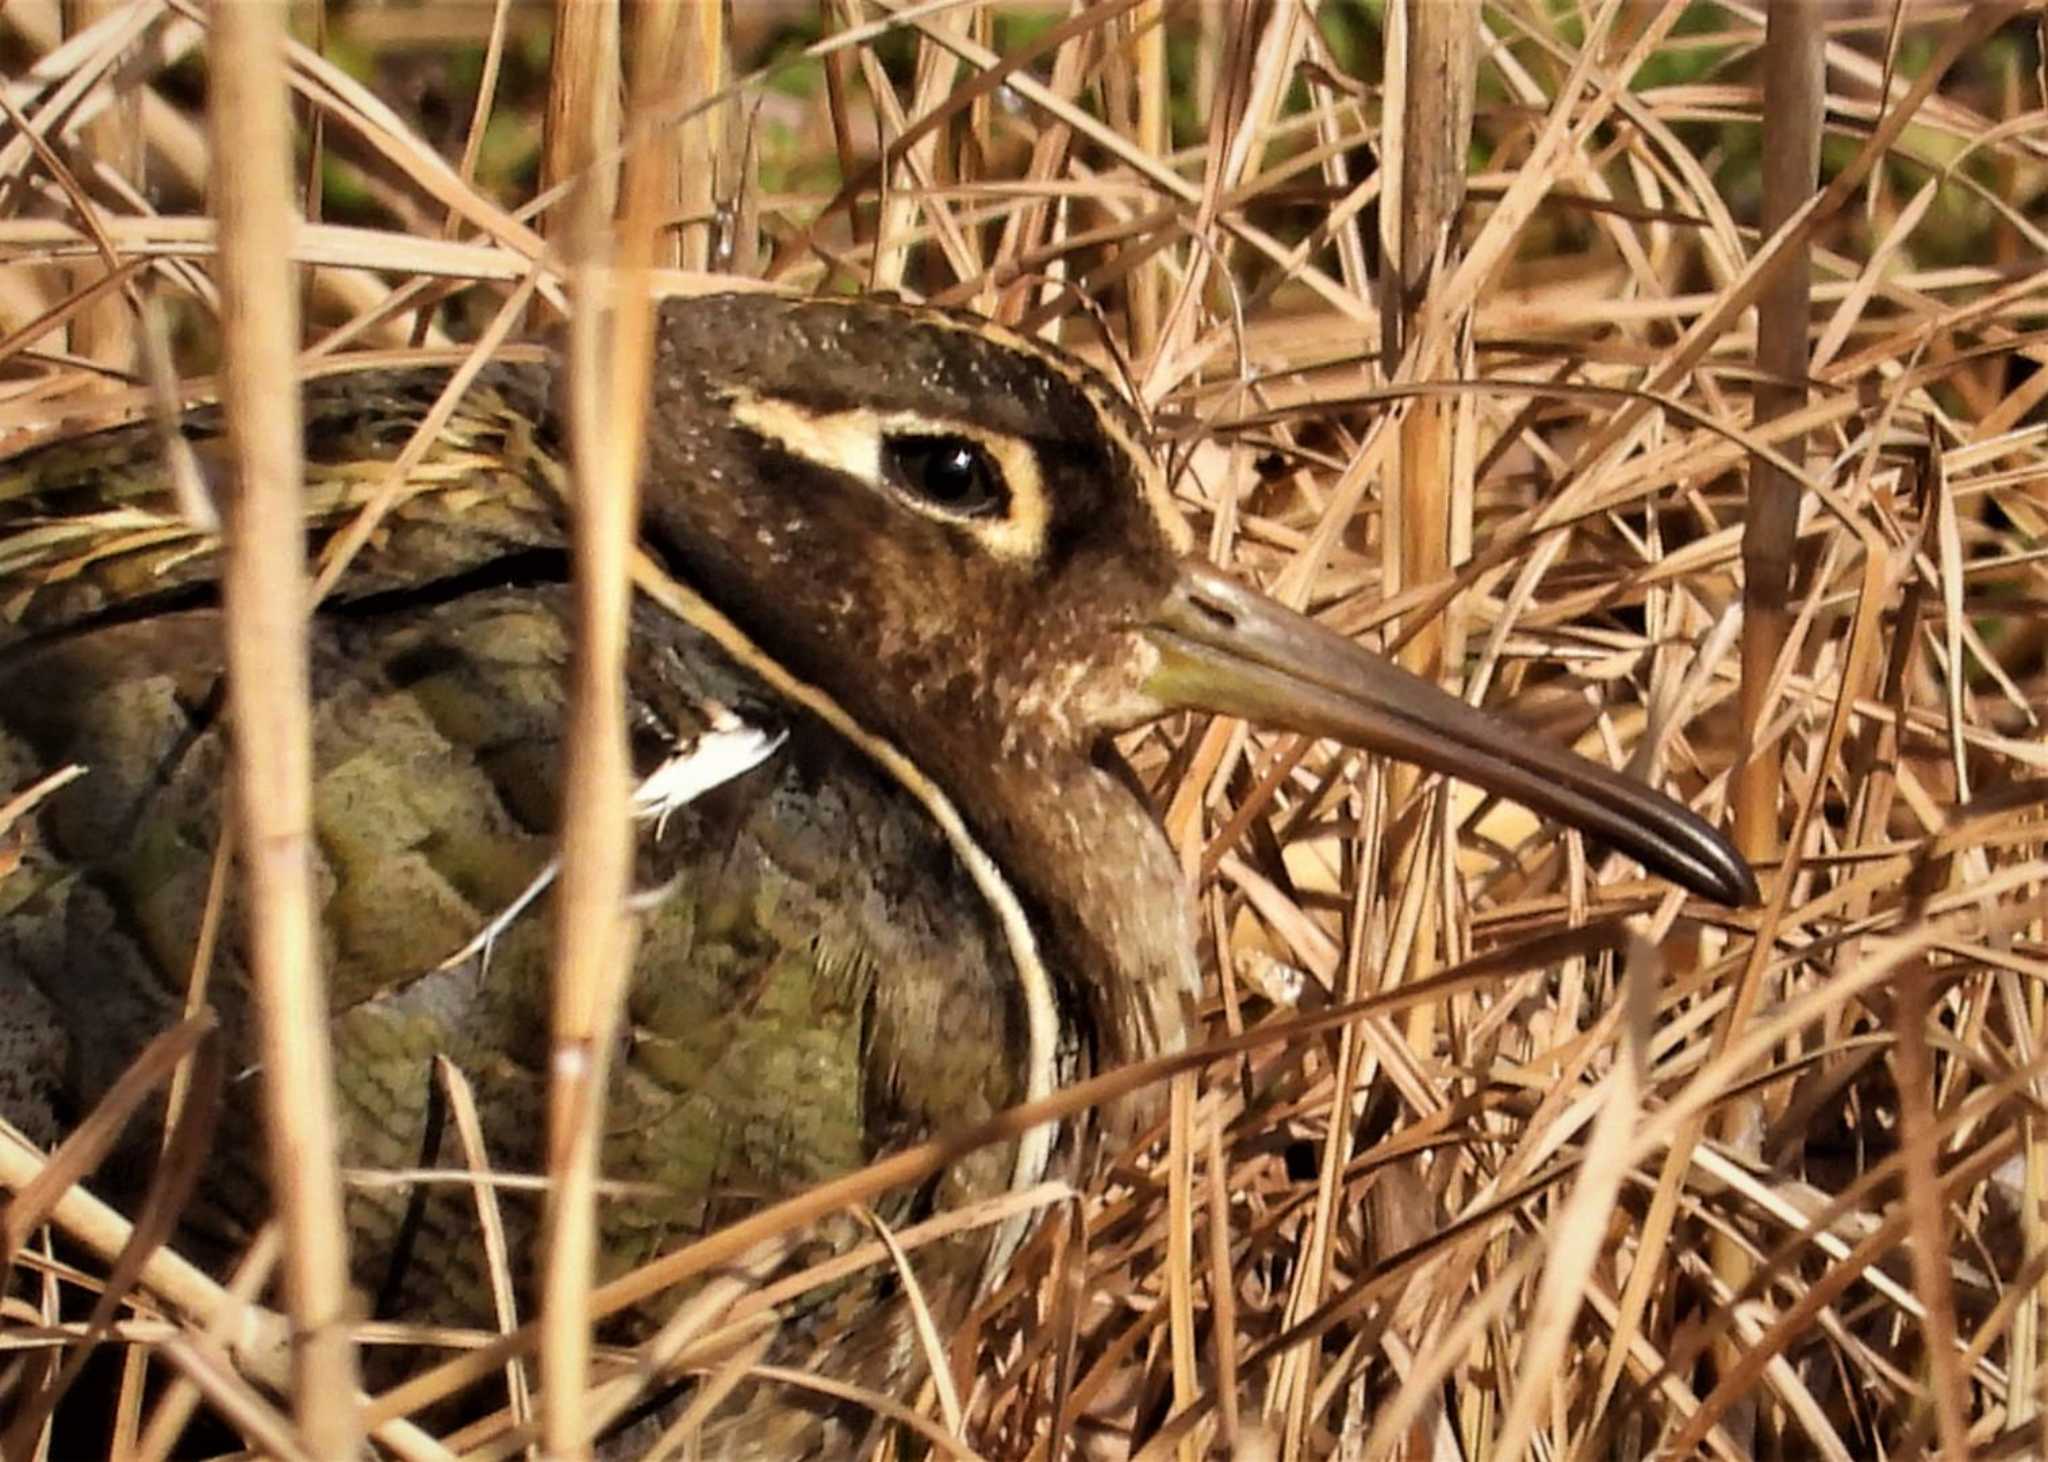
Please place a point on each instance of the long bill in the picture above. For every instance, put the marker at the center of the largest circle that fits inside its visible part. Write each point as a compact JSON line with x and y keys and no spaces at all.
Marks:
{"x":1226,"y":649}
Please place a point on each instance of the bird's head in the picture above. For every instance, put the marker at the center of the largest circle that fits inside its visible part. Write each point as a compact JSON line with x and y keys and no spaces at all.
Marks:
{"x":961,"y":535}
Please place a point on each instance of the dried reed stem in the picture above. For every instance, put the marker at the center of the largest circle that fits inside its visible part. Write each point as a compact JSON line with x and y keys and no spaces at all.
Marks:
{"x":1795,"y":94}
{"x":610,"y":351}
{"x":265,"y":593}
{"x":1619,"y":283}
{"x":105,"y":332}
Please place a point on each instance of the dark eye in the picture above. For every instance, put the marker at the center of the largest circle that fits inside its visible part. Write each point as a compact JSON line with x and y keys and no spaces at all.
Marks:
{"x":948,"y":472}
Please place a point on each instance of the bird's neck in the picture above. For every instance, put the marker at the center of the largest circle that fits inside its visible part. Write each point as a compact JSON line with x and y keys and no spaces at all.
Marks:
{"x":1102,"y":883}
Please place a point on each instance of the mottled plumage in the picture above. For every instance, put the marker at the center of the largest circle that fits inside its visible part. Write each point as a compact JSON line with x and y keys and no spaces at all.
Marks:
{"x":934,"y":552}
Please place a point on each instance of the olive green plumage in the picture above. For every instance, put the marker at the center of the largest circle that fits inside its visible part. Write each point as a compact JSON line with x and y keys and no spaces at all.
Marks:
{"x":936,"y":554}
{"x":817,"y":979}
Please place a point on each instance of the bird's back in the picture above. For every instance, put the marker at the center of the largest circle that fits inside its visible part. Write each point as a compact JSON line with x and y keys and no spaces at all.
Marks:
{"x":817,"y":978}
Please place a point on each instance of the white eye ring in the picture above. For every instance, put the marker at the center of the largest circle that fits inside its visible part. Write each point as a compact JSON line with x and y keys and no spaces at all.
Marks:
{"x":862,"y":443}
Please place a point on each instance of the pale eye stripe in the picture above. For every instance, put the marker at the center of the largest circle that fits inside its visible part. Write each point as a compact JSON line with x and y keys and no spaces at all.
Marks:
{"x":845,"y":441}
{"x":851,"y":441}
{"x":1111,"y":414}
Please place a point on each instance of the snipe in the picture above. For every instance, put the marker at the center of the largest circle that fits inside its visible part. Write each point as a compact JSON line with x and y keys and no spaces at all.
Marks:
{"x":941,"y":559}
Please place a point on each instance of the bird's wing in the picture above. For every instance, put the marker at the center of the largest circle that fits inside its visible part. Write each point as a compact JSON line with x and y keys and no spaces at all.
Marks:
{"x":817,"y":980}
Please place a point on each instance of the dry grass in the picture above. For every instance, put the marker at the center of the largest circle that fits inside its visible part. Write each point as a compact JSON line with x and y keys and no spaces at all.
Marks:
{"x":1466,"y":1164}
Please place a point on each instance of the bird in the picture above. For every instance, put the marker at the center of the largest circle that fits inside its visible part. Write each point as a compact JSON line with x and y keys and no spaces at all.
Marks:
{"x":937,"y":565}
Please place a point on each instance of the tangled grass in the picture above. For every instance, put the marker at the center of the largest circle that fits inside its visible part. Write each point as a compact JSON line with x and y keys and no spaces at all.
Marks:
{"x":1664,"y":373}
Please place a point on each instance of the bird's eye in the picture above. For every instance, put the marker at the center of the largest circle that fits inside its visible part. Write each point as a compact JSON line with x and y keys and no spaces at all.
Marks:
{"x":952,"y":473}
